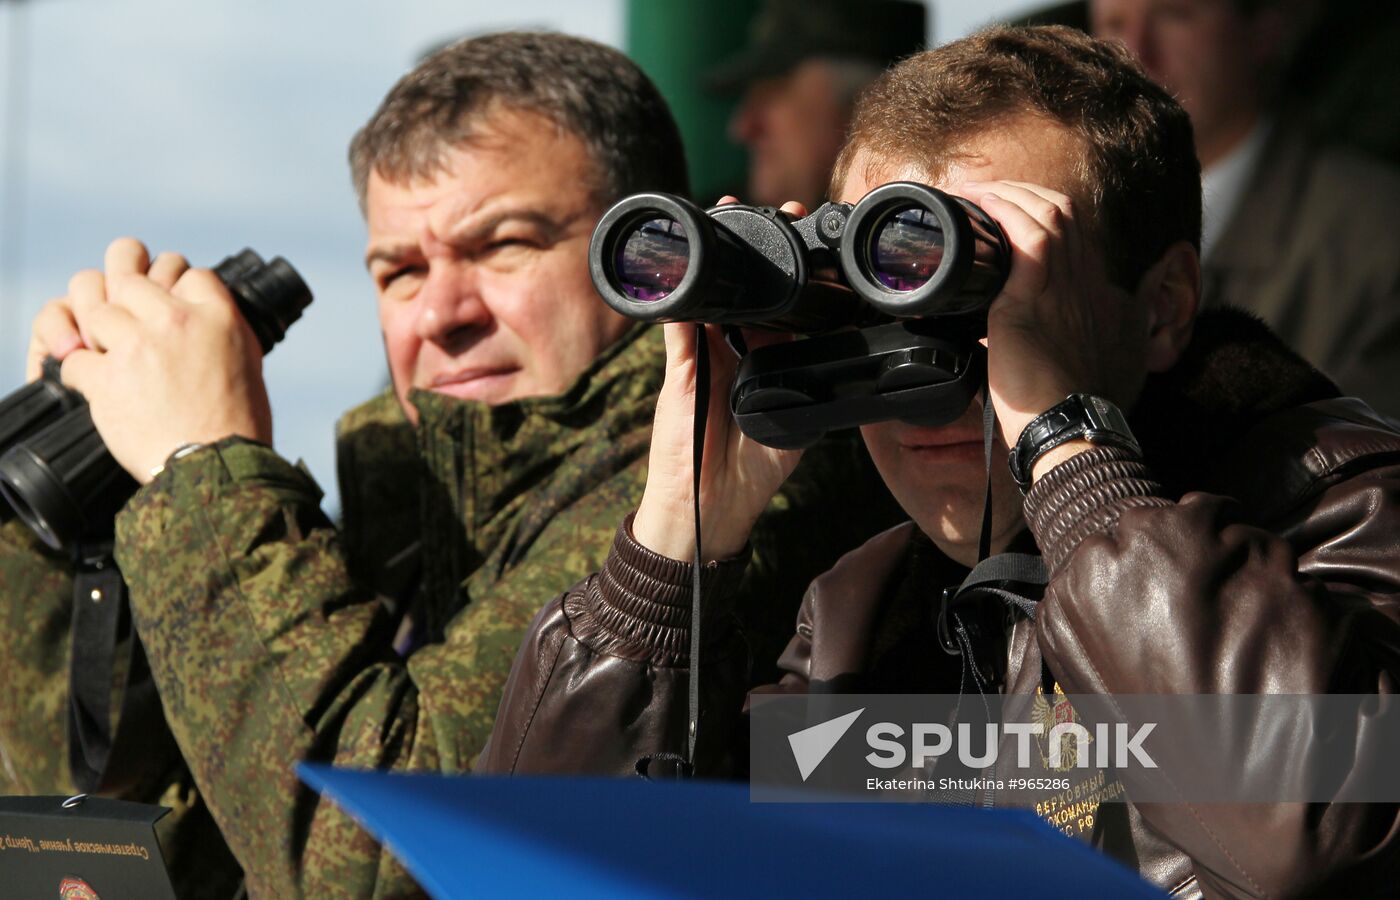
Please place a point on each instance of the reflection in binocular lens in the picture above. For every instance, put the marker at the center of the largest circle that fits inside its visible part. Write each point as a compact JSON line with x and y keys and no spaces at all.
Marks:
{"x":652,"y":260}
{"x":906,"y":249}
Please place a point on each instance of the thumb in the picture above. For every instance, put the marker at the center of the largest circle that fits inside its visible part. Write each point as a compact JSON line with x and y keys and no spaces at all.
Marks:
{"x":724,"y":365}
{"x":680,"y":350}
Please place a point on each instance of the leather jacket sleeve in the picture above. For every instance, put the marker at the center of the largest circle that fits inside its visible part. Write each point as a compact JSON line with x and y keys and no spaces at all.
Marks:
{"x":602,"y":679}
{"x":1150,"y":596}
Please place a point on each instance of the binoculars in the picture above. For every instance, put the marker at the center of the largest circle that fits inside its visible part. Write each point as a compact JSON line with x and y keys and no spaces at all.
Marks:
{"x":892,"y":290}
{"x":904,"y":251}
{"x":55,"y":472}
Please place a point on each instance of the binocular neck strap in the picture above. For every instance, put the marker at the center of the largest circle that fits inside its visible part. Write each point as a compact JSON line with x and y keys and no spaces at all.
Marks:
{"x":99,"y":608}
{"x":1019,"y":568}
{"x":106,"y":755}
{"x":702,"y":415}
{"x":1017,"y":580}
{"x":989,"y":436}
{"x":668,"y":765}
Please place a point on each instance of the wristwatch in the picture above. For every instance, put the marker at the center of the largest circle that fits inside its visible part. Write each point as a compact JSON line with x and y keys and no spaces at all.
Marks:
{"x":184,"y":450}
{"x":1077,"y":417}
{"x":178,"y":453}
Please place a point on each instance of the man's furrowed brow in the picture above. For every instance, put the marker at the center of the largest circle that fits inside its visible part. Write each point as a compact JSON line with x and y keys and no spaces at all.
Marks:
{"x":476,"y":229}
{"x":390,"y":253}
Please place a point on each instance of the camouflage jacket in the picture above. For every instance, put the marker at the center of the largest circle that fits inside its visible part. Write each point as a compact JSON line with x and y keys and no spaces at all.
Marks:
{"x":36,"y":602}
{"x":271,"y":633}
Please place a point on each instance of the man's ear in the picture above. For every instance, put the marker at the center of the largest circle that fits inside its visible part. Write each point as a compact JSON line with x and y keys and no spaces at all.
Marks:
{"x":1171,"y":293}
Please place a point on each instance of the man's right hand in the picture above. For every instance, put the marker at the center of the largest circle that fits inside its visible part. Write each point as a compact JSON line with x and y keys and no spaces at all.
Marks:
{"x":163,"y":368}
{"x":161,"y":354}
{"x":738,"y":475}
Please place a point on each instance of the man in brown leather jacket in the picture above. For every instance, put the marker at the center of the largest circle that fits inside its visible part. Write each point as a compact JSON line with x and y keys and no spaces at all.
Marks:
{"x":1243,"y":540}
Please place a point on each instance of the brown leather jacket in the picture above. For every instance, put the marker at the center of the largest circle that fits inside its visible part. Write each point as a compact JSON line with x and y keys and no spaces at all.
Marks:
{"x":1277,"y":572}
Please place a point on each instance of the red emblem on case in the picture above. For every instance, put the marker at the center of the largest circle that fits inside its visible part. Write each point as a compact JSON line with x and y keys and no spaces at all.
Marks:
{"x":76,"y":889}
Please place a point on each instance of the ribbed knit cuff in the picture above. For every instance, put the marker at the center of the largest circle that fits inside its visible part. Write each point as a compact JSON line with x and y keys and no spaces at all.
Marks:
{"x":1084,"y":496}
{"x":639,"y":605}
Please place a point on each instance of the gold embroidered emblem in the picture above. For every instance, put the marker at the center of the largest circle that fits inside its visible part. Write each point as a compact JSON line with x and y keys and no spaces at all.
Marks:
{"x":1049,"y":715}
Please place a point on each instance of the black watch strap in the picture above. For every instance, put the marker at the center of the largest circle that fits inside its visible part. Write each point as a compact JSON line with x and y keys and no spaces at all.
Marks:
{"x":1077,"y":417}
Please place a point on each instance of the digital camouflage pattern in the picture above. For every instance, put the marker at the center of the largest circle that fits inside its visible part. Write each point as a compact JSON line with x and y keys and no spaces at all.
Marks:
{"x":271,"y":633}
{"x":37,"y":591}
{"x":36,"y":599}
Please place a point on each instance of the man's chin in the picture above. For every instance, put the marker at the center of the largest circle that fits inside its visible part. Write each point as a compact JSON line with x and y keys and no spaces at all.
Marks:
{"x":491,"y":388}
{"x":955,"y":528}
{"x":950,"y":513}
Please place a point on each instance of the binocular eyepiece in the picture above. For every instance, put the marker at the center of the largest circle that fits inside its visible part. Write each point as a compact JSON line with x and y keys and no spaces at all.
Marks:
{"x":906,"y":250}
{"x":55,"y":472}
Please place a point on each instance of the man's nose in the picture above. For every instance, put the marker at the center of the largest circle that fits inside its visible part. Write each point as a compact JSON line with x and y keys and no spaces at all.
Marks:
{"x":450,"y":303}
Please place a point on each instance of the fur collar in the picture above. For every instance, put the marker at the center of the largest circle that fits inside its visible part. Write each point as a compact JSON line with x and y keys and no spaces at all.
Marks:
{"x":1234,"y":373}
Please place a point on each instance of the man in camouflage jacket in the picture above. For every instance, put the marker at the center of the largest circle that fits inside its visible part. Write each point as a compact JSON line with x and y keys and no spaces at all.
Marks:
{"x":491,"y":477}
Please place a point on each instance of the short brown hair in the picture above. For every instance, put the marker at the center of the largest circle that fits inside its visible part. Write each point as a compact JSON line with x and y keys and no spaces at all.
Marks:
{"x":591,"y":91}
{"x":1140,"y":174}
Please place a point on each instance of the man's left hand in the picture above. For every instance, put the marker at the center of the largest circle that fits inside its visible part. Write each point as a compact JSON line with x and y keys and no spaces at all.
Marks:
{"x":1058,"y":323}
{"x":165,"y":364}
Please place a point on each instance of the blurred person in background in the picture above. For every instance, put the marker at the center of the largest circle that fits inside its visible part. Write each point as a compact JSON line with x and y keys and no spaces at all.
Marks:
{"x":1338,"y":79}
{"x":1296,"y":230}
{"x":490,"y":476}
{"x":804,"y":64}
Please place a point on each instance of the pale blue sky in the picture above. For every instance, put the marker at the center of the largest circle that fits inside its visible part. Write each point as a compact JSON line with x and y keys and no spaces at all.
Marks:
{"x":206,"y":125}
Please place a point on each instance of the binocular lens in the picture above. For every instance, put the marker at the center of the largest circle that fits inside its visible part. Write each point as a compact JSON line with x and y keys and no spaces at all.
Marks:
{"x":652,"y":260}
{"x":906,"y":248}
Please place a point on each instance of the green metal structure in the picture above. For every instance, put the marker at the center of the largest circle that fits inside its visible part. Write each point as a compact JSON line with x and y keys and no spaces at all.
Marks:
{"x":676,"y":42}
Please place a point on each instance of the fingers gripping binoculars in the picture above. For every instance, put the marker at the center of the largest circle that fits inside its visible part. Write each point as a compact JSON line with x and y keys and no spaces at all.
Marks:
{"x":895,"y":290}
{"x":55,"y":472}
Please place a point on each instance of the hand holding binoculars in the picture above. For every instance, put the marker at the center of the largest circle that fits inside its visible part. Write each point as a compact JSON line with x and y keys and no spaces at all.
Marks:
{"x":55,"y":472}
{"x":894,"y":288}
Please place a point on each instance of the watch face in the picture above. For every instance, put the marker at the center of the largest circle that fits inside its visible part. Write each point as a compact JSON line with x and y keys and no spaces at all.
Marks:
{"x":1104,"y":416}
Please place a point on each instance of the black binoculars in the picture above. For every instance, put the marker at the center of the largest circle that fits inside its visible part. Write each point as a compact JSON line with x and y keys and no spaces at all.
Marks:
{"x":894,"y":292}
{"x":55,"y":472}
{"x":906,"y":250}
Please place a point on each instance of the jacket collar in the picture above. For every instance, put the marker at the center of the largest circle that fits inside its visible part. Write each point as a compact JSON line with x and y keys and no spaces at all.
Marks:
{"x":1234,"y":374}
{"x":492,"y":477}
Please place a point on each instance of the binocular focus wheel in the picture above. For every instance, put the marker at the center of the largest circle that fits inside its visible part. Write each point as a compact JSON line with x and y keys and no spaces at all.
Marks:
{"x":910,"y":368}
{"x":770,"y":398}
